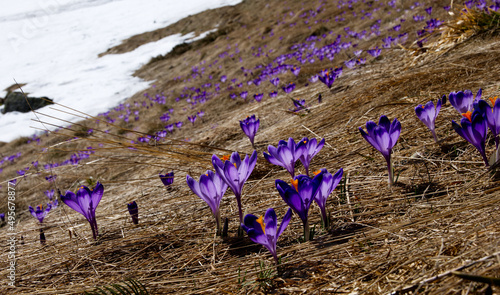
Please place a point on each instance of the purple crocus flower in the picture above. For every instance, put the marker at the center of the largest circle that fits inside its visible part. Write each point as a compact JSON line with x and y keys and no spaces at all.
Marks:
{"x":192,"y":119}
{"x":313,"y":79}
{"x":492,"y":115}
{"x":275,"y":81}
{"x":134,"y":212}
{"x":244,"y":94}
{"x":284,"y":155}
{"x":427,"y":114}
{"x":223,"y":78}
{"x":289,"y":88}
{"x":328,"y":77}
{"x":258,"y":96}
{"x":167,"y":179}
{"x":463,"y":101}
{"x":235,"y":172}
{"x":300,"y":196}
{"x":309,"y":149}
{"x":49,"y":194}
{"x":2,"y":216}
{"x":178,"y":125}
{"x":250,"y":126}
{"x":295,"y":70}
{"x":85,"y":202}
{"x":40,"y":213}
{"x":265,"y":230}
{"x":473,"y":129}
{"x":51,"y":178}
{"x":210,"y":189}
{"x":374,"y":52}
{"x":383,"y":138}
{"x":350,"y":63}
{"x":170,"y":128}
{"x":273,"y":94}
{"x":326,"y":187}
{"x":428,"y":10}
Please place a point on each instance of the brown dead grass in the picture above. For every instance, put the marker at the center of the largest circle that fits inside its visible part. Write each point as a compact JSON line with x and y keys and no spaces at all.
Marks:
{"x":442,"y":215}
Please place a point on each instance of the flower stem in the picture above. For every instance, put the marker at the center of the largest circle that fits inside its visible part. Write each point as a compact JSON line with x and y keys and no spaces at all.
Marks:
{"x":389,"y":168}
{"x":307,"y":232}
{"x":434,"y":135}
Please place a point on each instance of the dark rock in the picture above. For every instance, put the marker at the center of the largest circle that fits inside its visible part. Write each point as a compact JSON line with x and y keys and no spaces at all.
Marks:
{"x":16,"y":102}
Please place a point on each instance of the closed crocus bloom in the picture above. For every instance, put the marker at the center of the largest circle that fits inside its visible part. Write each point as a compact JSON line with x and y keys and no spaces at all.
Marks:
{"x":472,"y":128}
{"x":235,"y":173}
{"x":289,"y":88}
{"x":300,"y":195}
{"x":258,"y":96}
{"x":39,"y":213}
{"x":134,"y":212}
{"x":250,"y":126}
{"x":463,"y":101}
{"x":284,"y":155}
{"x":427,"y":114}
{"x":309,"y":149}
{"x":49,"y":194}
{"x":383,"y":137}
{"x":328,"y":184}
{"x":264,"y":230}
{"x":85,"y":202}
{"x":167,"y":179}
{"x":211,"y":189}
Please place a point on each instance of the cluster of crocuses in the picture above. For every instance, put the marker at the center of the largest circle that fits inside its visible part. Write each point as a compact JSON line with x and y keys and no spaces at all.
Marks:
{"x":477,"y":116}
{"x":233,"y":172}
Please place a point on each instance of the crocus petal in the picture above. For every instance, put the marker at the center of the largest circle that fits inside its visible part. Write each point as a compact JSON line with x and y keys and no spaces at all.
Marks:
{"x":284,"y":223}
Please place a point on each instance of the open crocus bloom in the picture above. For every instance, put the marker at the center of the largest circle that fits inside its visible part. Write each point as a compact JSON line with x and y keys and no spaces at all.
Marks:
{"x":284,"y":155}
{"x":39,"y":213}
{"x":427,"y":114}
{"x":85,"y":202}
{"x":265,"y":230}
{"x":300,"y":195}
{"x":383,"y":137}
{"x":309,"y":149}
{"x":472,"y":128}
{"x":235,"y":172}
{"x":463,"y":101}
{"x":210,"y":189}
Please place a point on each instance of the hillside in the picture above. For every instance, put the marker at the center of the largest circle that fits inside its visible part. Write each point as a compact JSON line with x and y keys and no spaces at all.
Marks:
{"x":441,"y":214}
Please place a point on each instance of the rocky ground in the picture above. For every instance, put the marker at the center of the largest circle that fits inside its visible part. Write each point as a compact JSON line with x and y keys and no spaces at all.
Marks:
{"x":441,"y":215}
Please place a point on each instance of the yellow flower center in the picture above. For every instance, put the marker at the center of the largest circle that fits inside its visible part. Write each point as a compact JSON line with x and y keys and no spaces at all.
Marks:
{"x":224,"y":158}
{"x":260,"y":220}
{"x":295,"y":184}
{"x":40,"y":207}
{"x":493,"y":100}
{"x":317,"y":172}
{"x":468,"y":115}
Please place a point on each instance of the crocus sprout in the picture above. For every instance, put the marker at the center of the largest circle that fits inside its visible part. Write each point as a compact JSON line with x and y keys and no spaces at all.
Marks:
{"x":326,"y":187}
{"x":39,"y":213}
{"x":309,"y":149}
{"x":427,"y":114}
{"x":472,"y":128}
{"x":134,"y":212}
{"x":284,"y":155}
{"x":463,"y":101}
{"x":235,"y":172}
{"x":210,"y":189}
{"x":265,"y":231}
{"x":383,"y":137}
{"x":250,"y":126}
{"x":167,"y":179}
{"x":300,"y":195}
{"x":85,"y":202}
